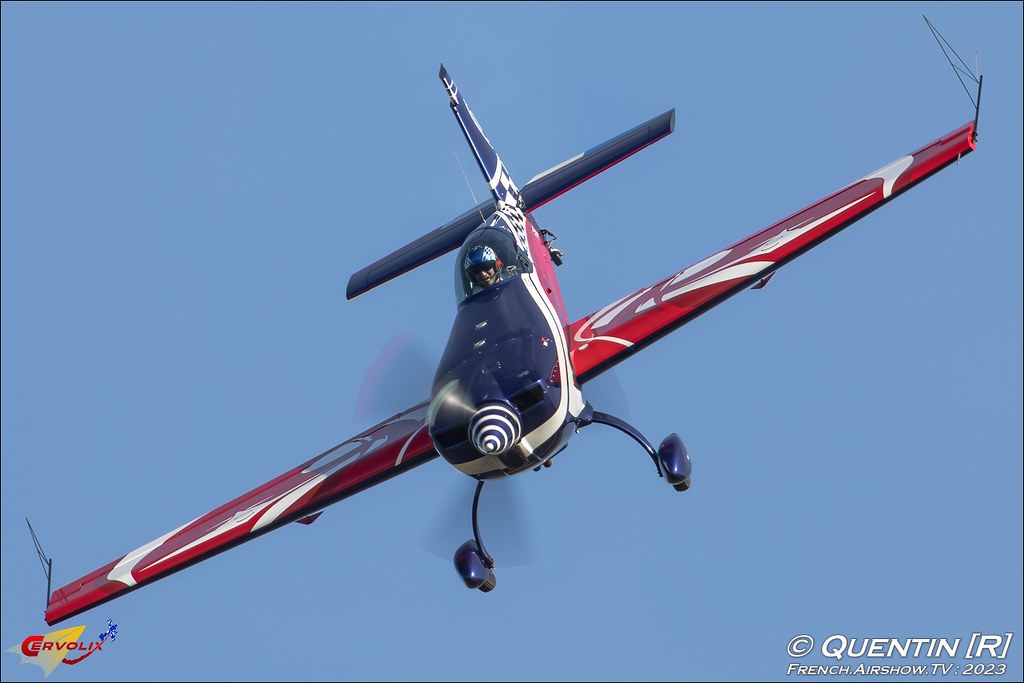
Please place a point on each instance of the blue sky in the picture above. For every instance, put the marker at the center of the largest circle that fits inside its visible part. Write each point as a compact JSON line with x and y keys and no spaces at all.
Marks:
{"x":187,"y":188}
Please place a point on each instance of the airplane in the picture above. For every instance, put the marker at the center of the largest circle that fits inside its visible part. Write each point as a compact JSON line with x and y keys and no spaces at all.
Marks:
{"x":508,"y":396}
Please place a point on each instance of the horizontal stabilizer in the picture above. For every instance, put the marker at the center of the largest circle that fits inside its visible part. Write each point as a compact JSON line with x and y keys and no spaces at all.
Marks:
{"x":437,"y":242}
{"x":539,"y":191}
{"x":558,"y":180}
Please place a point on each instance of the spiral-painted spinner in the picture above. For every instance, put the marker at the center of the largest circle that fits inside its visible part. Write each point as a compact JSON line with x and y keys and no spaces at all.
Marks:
{"x":494,"y":429}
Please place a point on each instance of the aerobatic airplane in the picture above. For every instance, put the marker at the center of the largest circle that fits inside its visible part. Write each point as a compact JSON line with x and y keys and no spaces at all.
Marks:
{"x":508,"y":393}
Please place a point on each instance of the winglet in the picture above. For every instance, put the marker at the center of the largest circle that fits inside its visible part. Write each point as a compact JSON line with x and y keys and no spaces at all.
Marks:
{"x":966,"y":70}
{"x":47,"y":562}
{"x":977,"y":109}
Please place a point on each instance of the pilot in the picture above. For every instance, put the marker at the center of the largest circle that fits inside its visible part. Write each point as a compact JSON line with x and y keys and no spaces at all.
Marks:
{"x":483,"y":267}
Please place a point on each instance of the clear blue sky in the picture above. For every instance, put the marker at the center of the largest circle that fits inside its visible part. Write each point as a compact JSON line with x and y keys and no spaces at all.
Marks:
{"x":187,"y":188}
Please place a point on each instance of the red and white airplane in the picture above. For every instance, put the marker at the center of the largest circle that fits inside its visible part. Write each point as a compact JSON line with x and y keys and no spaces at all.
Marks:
{"x":508,"y":393}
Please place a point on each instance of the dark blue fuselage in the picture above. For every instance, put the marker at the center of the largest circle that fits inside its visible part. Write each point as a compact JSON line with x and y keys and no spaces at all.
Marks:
{"x":503,"y":353}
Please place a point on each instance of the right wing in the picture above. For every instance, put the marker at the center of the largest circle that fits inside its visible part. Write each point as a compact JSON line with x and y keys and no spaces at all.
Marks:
{"x":392,"y":447}
{"x":617,"y":331}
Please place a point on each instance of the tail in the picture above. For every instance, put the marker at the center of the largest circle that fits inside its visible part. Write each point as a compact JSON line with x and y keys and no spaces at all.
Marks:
{"x":498,"y":179}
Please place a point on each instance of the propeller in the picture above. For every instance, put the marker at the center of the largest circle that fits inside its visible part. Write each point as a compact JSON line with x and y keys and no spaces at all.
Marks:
{"x":607,"y":394}
{"x":400,"y":376}
{"x":507,"y":525}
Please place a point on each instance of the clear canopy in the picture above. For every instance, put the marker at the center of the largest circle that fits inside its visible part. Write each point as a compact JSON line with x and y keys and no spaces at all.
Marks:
{"x":488,"y":256}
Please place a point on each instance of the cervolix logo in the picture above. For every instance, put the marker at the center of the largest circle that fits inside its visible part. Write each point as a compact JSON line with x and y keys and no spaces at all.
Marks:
{"x":50,"y":650}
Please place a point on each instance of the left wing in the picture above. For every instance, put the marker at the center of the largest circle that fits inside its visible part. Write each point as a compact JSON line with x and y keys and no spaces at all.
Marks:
{"x":617,"y":331}
{"x":392,"y":447}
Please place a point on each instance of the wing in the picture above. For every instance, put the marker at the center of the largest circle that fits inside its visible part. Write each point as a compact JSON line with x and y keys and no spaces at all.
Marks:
{"x":619,"y":330}
{"x":392,"y":447}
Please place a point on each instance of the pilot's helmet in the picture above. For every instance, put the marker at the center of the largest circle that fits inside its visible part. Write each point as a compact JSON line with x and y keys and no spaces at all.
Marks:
{"x":481,"y":257}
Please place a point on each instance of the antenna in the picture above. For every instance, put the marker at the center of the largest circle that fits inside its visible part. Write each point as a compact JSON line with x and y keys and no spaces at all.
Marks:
{"x":468,"y":186}
{"x":47,"y":562}
{"x":943,"y":44}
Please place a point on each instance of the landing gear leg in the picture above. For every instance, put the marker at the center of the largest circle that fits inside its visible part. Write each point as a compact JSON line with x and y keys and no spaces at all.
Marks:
{"x":472,"y":562}
{"x":671,"y":458}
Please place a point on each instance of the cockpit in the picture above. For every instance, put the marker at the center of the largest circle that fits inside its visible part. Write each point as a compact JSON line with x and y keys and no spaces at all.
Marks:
{"x":489,"y":256}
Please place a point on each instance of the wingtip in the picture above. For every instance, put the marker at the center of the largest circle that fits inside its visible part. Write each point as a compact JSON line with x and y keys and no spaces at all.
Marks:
{"x":354,"y":289}
{"x":442,"y":73}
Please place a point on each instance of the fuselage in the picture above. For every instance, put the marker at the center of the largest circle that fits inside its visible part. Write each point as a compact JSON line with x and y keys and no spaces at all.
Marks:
{"x":505,"y":398}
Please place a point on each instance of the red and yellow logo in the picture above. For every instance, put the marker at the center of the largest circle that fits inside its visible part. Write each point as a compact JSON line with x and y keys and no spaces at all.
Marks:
{"x":57,"y":647}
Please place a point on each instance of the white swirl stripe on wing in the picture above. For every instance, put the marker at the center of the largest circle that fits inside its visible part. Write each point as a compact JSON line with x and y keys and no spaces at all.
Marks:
{"x":224,"y":527}
{"x":405,"y":446}
{"x":690,"y":279}
{"x":287,"y":500}
{"x":610,"y":315}
{"x":284,"y":502}
{"x":122,"y":571}
{"x":346,"y":452}
{"x":696,"y":268}
{"x":890,"y":174}
{"x":589,"y":325}
{"x":736,"y":269}
{"x":650,"y":303}
{"x":345,"y":449}
{"x":735,"y":272}
{"x":273,"y":507}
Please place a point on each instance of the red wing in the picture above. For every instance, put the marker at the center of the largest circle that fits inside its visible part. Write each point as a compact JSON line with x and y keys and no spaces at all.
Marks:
{"x":617,"y":331}
{"x":392,"y":447}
